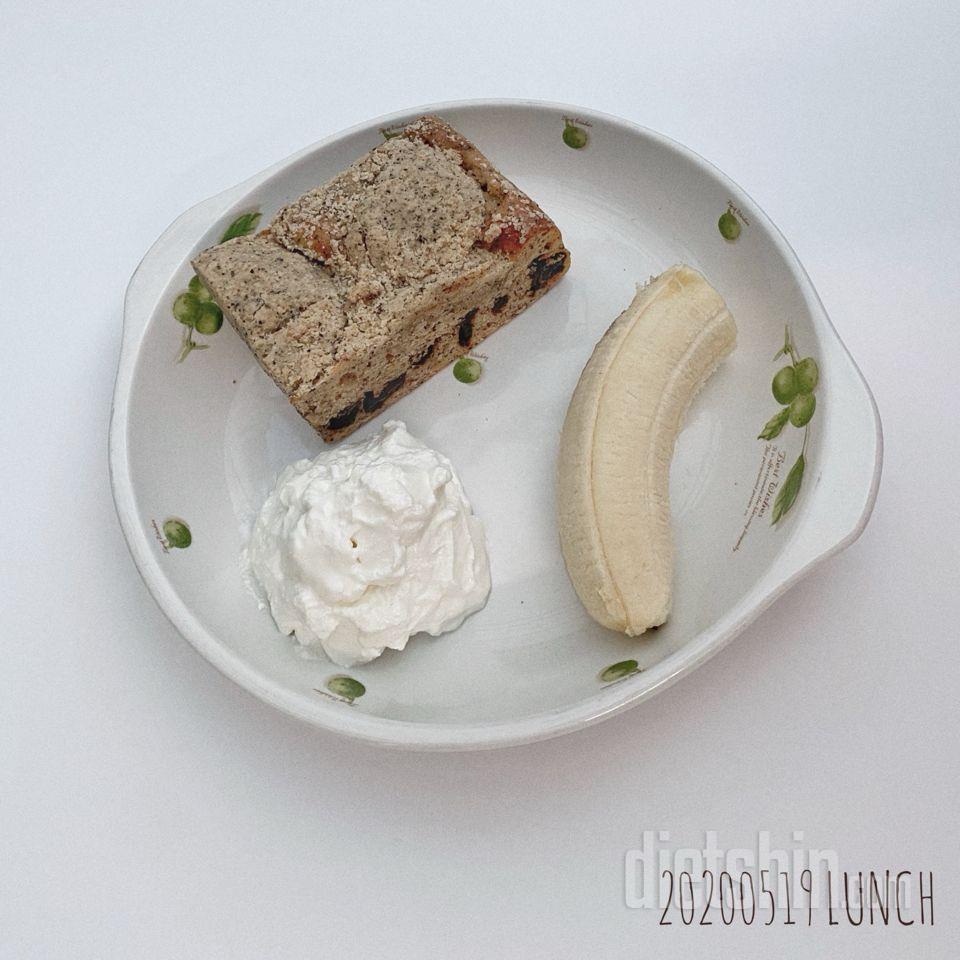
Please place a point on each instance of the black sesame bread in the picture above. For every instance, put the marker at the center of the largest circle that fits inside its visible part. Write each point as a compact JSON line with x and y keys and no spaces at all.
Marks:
{"x":365,"y":287}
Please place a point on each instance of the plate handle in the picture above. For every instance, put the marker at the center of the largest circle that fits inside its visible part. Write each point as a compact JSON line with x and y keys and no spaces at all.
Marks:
{"x":842,"y":474}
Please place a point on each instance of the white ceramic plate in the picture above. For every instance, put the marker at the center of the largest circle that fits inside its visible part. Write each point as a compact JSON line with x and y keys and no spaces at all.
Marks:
{"x":201,"y":442}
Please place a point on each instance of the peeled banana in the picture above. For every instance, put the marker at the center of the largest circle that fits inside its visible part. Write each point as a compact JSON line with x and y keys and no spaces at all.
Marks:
{"x":617,"y":443}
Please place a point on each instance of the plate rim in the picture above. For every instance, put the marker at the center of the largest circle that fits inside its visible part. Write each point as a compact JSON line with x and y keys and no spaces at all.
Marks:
{"x":420,"y":735}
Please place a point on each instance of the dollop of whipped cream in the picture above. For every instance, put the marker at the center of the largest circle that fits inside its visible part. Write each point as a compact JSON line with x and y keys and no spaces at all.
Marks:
{"x":367,"y":544}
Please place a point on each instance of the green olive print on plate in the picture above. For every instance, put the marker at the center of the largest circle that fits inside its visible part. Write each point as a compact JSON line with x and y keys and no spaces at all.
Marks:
{"x":785,"y":385}
{"x":467,"y":370}
{"x":801,"y":409}
{"x":198,"y":291}
{"x":177,"y":533}
{"x":210,"y":319}
{"x":186,"y":308}
{"x":729,"y":226}
{"x":617,"y":671}
{"x":346,"y":687}
{"x":574,"y":135}
{"x":793,"y":386}
{"x":194,"y":307}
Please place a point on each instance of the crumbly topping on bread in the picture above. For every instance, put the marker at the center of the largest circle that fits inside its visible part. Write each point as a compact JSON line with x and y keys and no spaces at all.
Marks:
{"x":404,"y":212}
{"x":293,"y":309}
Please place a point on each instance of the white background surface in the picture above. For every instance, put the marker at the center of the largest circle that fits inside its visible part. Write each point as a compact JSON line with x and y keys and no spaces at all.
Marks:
{"x":148,"y":808}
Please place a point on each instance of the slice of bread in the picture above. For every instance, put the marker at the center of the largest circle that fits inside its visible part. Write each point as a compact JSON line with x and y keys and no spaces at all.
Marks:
{"x":363,"y":288}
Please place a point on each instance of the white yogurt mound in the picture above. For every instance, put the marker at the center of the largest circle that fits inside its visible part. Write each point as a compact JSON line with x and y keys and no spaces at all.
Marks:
{"x":367,"y":544}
